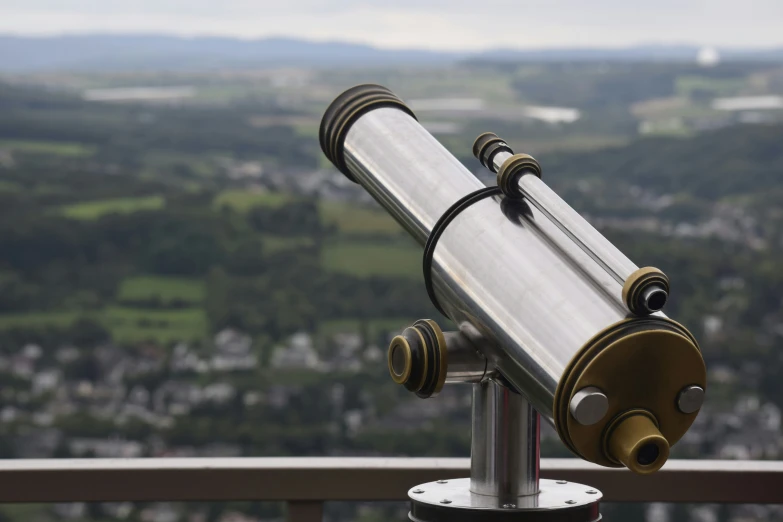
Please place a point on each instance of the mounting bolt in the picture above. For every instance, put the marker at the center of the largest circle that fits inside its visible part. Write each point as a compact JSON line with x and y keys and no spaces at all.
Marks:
{"x":417,"y":490}
{"x":562,"y":482}
{"x":592,"y":492}
{"x":570,"y":501}
{"x":588,"y":406}
{"x":443,"y":482}
{"x":690,"y":399}
{"x":509,"y":506}
{"x":445,"y":501}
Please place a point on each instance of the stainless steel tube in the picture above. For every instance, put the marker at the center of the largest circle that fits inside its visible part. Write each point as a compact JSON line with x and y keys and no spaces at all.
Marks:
{"x":506,"y":277}
{"x":465,"y":363}
{"x":504,"y":458}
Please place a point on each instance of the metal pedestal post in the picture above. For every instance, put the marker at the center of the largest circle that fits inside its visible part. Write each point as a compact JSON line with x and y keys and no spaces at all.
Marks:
{"x":504,"y":482}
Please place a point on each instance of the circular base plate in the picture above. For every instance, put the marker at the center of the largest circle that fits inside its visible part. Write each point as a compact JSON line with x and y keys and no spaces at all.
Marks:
{"x":452,"y":501}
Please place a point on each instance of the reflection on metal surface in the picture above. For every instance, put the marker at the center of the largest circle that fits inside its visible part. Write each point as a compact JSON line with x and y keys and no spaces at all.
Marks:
{"x":504,"y":444}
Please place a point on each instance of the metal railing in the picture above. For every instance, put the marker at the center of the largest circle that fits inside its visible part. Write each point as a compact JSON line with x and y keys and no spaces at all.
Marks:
{"x":306,"y":483}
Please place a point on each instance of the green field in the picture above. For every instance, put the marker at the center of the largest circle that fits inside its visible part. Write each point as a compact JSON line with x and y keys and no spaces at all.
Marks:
{"x":39,"y":319}
{"x":132,"y":324}
{"x":686,"y":85}
{"x":352,"y":219}
{"x":274,"y":244}
{"x":244,"y":200}
{"x":8,"y":186}
{"x":364,"y":259}
{"x":95,"y":209}
{"x":125,"y":324}
{"x":166,"y":289}
{"x":58,"y":148}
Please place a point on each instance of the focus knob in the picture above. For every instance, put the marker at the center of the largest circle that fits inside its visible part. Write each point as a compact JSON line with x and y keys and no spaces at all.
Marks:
{"x":417,"y":358}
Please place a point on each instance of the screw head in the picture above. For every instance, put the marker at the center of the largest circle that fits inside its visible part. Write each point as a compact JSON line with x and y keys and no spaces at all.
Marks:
{"x":591,"y":492}
{"x":690,"y":399}
{"x":445,"y":501}
{"x":570,"y":501}
{"x":417,"y":490}
{"x":509,"y":506}
{"x":561,"y":482}
{"x":442,"y":481}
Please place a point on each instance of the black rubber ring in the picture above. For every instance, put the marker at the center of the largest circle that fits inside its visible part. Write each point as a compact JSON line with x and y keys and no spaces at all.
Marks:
{"x":417,"y":359}
{"x":431,"y":381}
{"x":482,"y":157}
{"x":327,"y":121}
{"x":440,"y":227}
{"x":491,"y":150}
{"x":343,"y":112}
{"x":482,"y":142}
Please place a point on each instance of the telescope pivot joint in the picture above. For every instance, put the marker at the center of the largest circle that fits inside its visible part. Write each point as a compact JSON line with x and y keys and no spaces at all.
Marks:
{"x":423,"y":358}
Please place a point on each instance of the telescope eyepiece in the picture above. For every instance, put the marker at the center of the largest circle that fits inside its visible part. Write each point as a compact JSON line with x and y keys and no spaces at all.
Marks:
{"x":634,"y":440}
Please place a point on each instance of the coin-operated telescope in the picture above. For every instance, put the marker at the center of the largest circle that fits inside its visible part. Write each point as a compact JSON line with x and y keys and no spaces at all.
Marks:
{"x":552,"y":319}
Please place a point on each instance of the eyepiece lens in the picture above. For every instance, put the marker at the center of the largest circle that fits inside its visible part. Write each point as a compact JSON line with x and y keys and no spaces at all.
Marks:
{"x":648,"y":454}
{"x":398,"y":360}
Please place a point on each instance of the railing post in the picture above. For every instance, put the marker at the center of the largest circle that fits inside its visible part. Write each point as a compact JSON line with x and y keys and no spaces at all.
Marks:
{"x":305,"y":511}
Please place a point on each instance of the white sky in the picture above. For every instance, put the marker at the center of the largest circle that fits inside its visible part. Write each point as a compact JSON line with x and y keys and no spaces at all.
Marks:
{"x":432,"y":24}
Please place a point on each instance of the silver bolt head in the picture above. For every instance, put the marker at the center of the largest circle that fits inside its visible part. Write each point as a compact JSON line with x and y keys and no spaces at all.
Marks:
{"x":445,"y":501}
{"x":417,"y":491}
{"x":589,"y":405}
{"x":570,"y":501}
{"x":561,"y":482}
{"x":509,"y":506}
{"x":690,"y":399}
{"x":592,"y":492}
{"x":443,"y":481}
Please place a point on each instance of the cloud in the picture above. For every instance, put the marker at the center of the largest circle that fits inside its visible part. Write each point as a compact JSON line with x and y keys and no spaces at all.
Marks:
{"x":434,"y":24}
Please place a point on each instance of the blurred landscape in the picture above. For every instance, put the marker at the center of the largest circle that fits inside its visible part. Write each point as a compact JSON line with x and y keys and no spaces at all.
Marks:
{"x":182,"y":272}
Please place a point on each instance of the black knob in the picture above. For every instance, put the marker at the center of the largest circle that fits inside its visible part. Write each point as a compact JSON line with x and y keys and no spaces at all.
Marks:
{"x":486,"y":146}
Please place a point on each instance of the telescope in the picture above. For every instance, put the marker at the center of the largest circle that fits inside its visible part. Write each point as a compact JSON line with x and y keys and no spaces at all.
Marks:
{"x":550,"y":320}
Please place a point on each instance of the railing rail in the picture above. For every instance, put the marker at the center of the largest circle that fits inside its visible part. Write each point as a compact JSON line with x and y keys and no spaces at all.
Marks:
{"x":305,"y":483}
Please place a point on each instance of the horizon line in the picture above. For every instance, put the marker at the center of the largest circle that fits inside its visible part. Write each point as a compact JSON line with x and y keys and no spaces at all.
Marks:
{"x":206,"y":36}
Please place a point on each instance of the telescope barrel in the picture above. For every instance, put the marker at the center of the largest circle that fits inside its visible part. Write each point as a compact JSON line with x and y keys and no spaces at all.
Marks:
{"x":514,"y":270}
{"x":416,"y":179}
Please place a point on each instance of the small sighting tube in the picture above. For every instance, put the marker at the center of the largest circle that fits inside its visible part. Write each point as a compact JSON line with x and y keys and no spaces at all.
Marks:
{"x":576,"y":228}
{"x":505,"y":443}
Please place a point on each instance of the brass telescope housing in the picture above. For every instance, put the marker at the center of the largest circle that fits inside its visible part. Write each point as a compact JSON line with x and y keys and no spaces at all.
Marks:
{"x":544,"y":305}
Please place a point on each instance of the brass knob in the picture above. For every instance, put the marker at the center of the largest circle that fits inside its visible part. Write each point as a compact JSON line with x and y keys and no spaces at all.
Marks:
{"x":417,"y":358}
{"x":400,"y":359}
